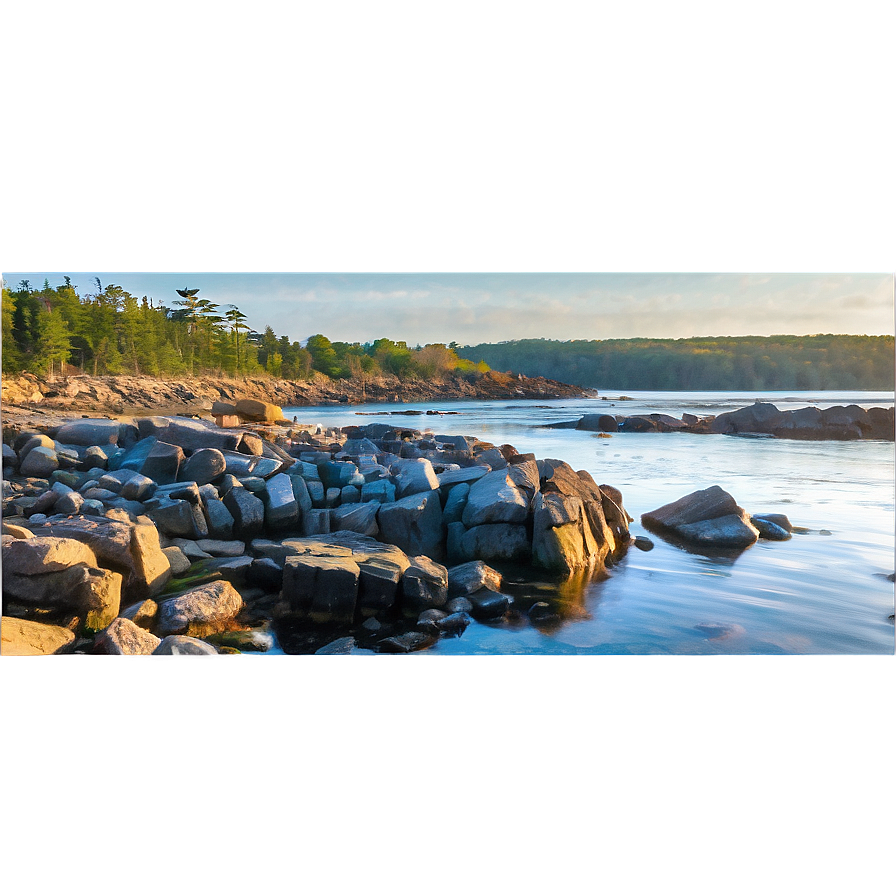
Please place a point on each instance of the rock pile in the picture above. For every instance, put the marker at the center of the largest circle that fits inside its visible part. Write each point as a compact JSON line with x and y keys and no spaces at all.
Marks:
{"x":175,"y":535}
{"x":843,"y":423}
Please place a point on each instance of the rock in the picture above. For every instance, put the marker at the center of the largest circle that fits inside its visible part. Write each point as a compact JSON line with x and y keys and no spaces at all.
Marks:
{"x":162,"y":463}
{"x":643,"y":543}
{"x":731,"y":531}
{"x":21,"y":637}
{"x":424,"y":586}
{"x":413,"y":524}
{"x":89,"y":432}
{"x":142,"y":614}
{"x":221,"y":548}
{"x":380,"y":490}
{"x":40,"y":462}
{"x":777,"y":519}
{"x":706,"y":504}
{"x":454,"y":625}
{"x":759,"y":417}
{"x":495,"y":498}
{"x":356,"y":518}
{"x":124,"y":638}
{"x":259,"y":411}
{"x":769,"y":530}
{"x":455,"y":503}
{"x":428,"y":621}
{"x":459,"y":605}
{"x":489,"y":605}
{"x":316,"y":522}
{"x":265,"y":573}
{"x":598,"y":423}
{"x":247,"y":512}
{"x":494,"y":543}
{"x":179,"y":518}
{"x":183,"y":645}
{"x":467,"y":475}
{"x":281,"y":509}
{"x":219,"y":518}
{"x":377,"y":585}
{"x":639,"y":423}
{"x":251,"y":640}
{"x":10,"y":458}
{"x":177,"y":559}
{"x":333,"y":497}
{"x":339,"y":647}
{"x":203,"y":466}
{"x":300,"y":493}
{"x":200,"y":611}
{"x":709,"y":517}
{"x":35,"y":556}
{"x":468,"y":578}
{"x":803,"y":423}
{"x":323,"y":588}
{"x":95,"y":456}
{"x":406,"y":643}
{"x":37,"y":440}
{"x":414,"y":476}
{"x":16,"y":531}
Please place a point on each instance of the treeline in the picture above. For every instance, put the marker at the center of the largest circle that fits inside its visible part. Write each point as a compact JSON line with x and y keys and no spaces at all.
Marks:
{"x":756,"y":363}
{"x":56,"y":330}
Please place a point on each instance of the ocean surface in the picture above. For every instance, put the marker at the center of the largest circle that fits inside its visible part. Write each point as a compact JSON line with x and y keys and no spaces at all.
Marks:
{"x":822,"y":592}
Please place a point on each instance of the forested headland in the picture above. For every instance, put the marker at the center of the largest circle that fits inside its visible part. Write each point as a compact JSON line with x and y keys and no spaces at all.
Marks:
{"x":760,"y":363}
{"x":109,"y":331}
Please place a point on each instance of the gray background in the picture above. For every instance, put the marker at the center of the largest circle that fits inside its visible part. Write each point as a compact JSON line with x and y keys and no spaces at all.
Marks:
{"x":232,"y":136}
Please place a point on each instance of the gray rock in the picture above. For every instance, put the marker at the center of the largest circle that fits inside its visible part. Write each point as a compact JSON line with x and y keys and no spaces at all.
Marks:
{"x":378,"y":584}
{"x":413,"y":524}
{"x":183,"y":645}
{"x":769,"y":530}
{"x":455,"y":503}
{"x":406,"y":643}
{"x":138,"y":487}
{"x":88,"y":432}
{"x":333,"y":497}
{"x":125,"y":638}
{"x":266,"y":574}
{"x":778,"y":519}
{"x":489,"y":605}
{"x":300,"y":493}
{"x":598,"y":423}
{"x":221,"y":548}
{"x":178,"y":560}
{"x":10,"y":458}
{"x":494,"y":543}
{"x":40,"y":462}
{"x":204,"y":465}
{"x":179,"y":518}
{"x":349,"y":494}
{"x":458,"y":605}
{"x":356,"y":518}
{"x":323,"y":588}
{"x":454,"y":624}
{"x":200,"y":611}
{"x":424,"y":586}
{"x":339,"y":647}
{"x":380,"y":490}
{"x":190,"y":549}
{"x":413,"y":477}
{"x":22,"y":637}
{"x":495,"y":499}
{"x":247,"y":512}
{"x":95,"y":456}
{"x":733,"y":530}
{"x":162,"y":463}
{"x":468,"y":578}
{"x":467,"y":475}
{"x":316,"y":492}
{"x":219,"y":518}
{"x":428,"y":621}
{"x":316,"y":522}
{"x":281,"y":509}
{"x":69,"y":503}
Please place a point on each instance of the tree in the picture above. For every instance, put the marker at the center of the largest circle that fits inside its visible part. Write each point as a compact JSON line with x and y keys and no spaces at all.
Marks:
{"x":237,"y":321}
{"x":55,"y":340}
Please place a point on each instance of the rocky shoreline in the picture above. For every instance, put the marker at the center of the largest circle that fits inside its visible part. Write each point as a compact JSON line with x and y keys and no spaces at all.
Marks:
{"x":182,"y":535}
{"x":760,"y":420}
{"x":135,"y":394}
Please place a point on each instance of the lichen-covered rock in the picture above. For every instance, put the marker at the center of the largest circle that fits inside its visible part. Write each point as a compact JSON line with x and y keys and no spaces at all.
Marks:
{"x":200,"y":611}
{"x":125,"y":638}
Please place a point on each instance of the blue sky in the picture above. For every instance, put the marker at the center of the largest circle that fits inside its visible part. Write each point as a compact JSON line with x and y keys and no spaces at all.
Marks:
{"x":471,"y":308}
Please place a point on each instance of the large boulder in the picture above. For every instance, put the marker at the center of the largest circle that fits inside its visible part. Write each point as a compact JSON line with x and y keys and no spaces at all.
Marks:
{"x":377,"y":585}
{"x":125,"y":638}
{"x":424,"y":586}
{"x":132,"y":549}
{"x":709,"y":517}
{"x":183,"y":645}
{"x":413,"y":524}
{"x":200,"y":611}
{"x":495,"y":498}
{"x":93,"y":594}
{"x":39,"y":555}
{"x":325,"y":589}
{"x":598,"y":423}
{"x":247,"y":512}
{"x":759,"y":417}
{"x":41,"y":463}
{"x":492,"y":542}
{"x":204,"y":465}
{"x":468,"y":578}
{"x":259,"y":411}
{"x":414,"y":475}
{"x":281,"y":509}
{"x":562,"y":537}
{"x":21,"y":637}
{"x":86,"y":432}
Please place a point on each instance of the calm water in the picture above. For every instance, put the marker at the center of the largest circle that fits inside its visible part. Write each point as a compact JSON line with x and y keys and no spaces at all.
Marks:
{"x":813,"y":594}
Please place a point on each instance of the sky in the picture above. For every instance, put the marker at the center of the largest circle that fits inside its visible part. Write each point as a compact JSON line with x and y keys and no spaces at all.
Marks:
{"x":472,"y":308}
